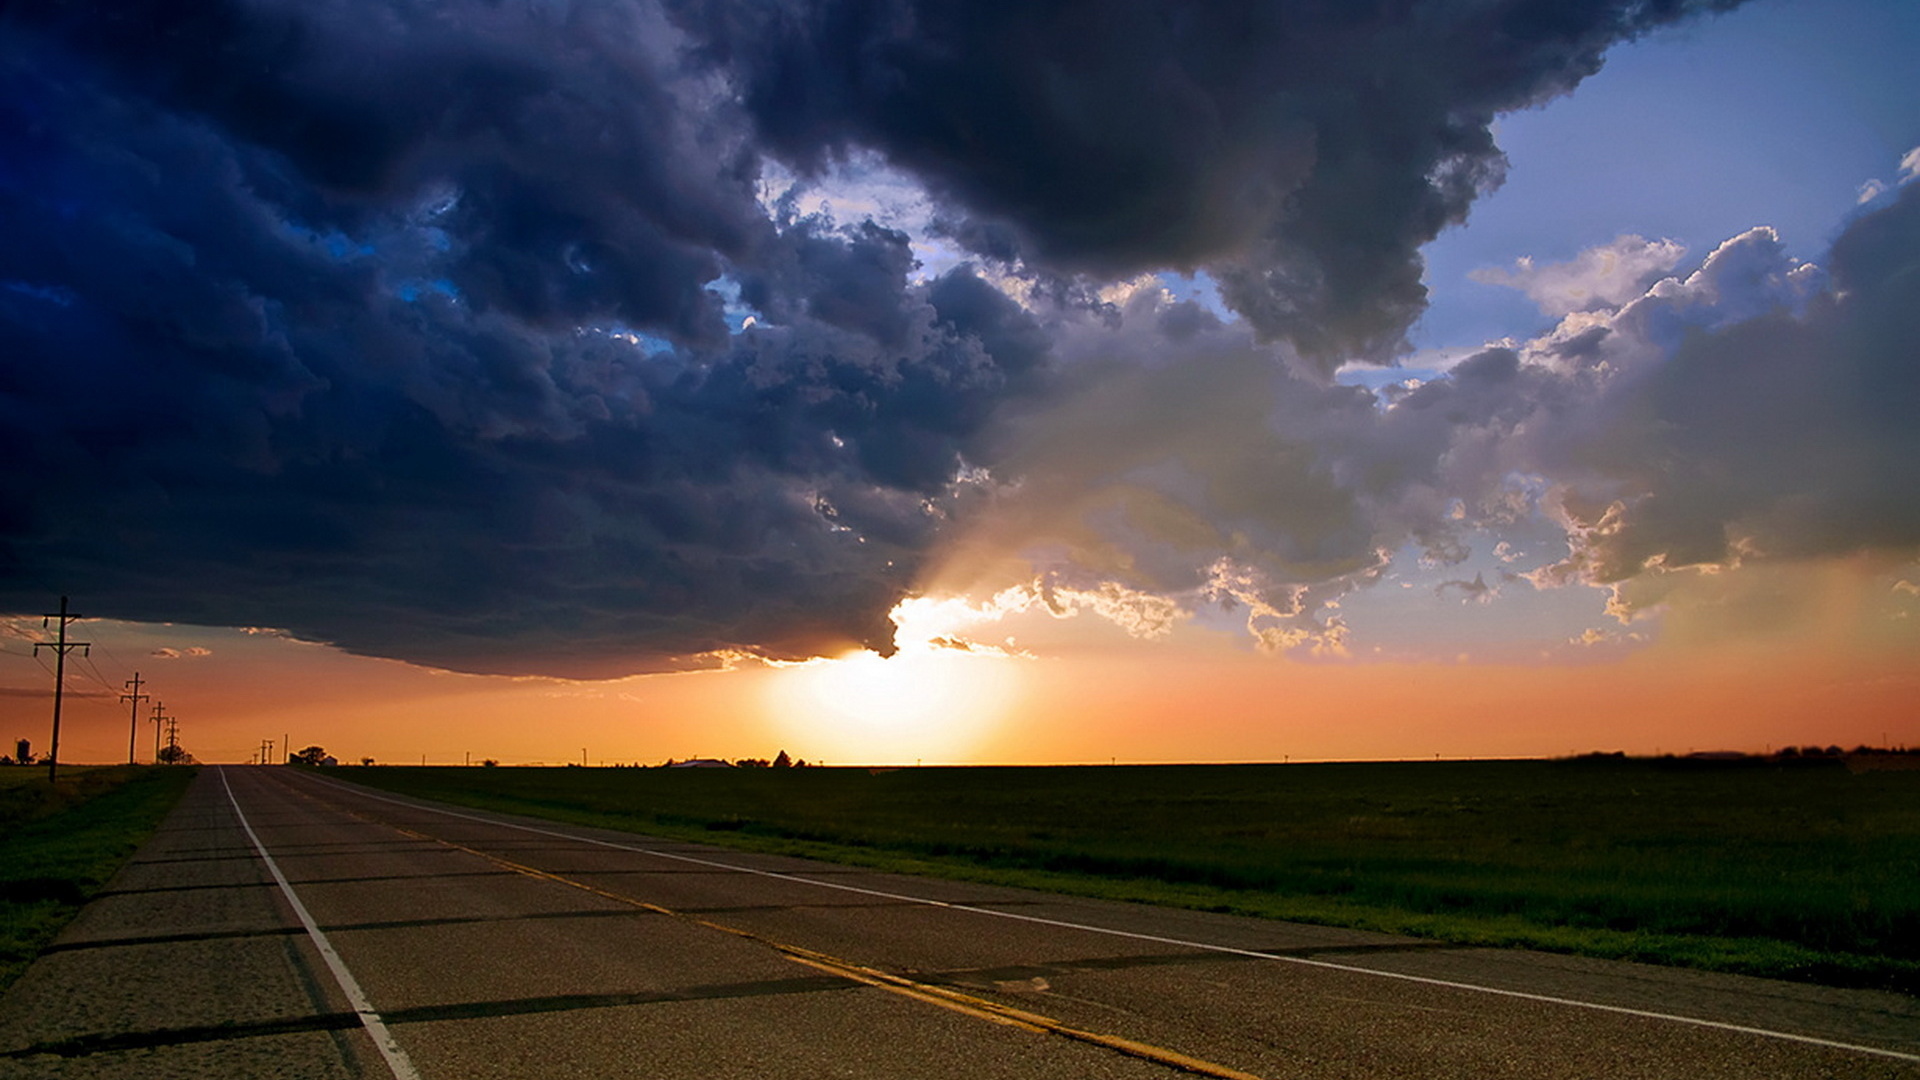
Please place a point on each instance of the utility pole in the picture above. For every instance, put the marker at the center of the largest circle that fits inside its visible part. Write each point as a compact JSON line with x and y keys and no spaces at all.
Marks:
{"x":159,"y":719}
{"x":135,"y":697}
{"x":60,"y":648}
{"x":173,"y":740}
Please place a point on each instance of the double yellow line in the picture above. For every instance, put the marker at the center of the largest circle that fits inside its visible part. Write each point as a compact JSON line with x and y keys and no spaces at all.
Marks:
{"x":965,"y":1004}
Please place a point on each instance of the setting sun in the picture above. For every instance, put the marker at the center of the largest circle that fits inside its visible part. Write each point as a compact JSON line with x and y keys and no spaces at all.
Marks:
{"x":921,"y":703}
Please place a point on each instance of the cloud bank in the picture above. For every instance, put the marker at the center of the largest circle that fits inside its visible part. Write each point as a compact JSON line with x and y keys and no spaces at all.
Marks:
{"x":471,"y":335}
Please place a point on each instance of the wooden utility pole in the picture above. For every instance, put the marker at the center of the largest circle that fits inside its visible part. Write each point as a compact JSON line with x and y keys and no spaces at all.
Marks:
{"x":61,"y":647}
{"x":159,"y":719}
{"x":135,"y":697}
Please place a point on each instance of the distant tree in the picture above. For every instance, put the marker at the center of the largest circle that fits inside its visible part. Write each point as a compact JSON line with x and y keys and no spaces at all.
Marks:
{"x":175,"y":755}
{"x":488,"y":763}
{"x":783,"y":761}
{"x":310,"y":755}
{"x":752,"y":763}
{"x":366,"y":761}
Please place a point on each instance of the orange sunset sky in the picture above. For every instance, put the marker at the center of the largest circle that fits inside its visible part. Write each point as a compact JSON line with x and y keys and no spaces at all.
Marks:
{"x":1091,"y":695}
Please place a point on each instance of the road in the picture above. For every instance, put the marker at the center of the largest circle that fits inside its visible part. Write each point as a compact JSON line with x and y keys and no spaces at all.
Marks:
{"x":285,"y":924}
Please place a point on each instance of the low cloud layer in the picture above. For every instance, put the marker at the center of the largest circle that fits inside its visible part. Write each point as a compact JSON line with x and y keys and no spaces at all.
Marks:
{"x":1747,"y":413}
{"x":471,"y":334}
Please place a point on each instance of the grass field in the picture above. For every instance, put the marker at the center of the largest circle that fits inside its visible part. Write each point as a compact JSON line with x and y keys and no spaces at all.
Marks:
{"x":59,"y":844}
{"x":1803,"y":871}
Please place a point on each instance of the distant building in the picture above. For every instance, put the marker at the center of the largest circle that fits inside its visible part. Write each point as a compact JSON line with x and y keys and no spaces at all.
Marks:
{"x":700,"y":763}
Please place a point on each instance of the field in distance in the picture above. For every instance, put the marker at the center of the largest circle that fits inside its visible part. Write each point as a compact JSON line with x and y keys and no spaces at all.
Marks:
{"x":1790,"y":870}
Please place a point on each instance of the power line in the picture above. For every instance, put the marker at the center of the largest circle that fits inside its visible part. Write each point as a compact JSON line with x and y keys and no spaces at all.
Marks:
{"x":114,"y":660}
{"x":95,"y":674}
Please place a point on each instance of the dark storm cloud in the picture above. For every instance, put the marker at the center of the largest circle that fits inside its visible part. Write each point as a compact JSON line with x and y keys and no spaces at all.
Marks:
{"x":218,"y":411}
{"x":1302,"y":151}
{"x":566,"y":178}
{"x":412,"y":326}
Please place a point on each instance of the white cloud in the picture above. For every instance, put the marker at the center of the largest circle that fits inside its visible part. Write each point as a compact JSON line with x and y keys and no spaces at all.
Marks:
{"x":1745,"y":277}
{"x":944,"y":622}
{"x":1605,"y":276}
{"x":191,"y":652}
{"x":1875,"y":187}
{"x":863,"y":187}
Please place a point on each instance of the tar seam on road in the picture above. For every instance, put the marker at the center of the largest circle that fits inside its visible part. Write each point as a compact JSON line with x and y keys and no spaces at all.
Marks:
{"x":83,"y":1045}
{"x":1622,"y":1010}
{"x":953,"y":1000}
{"x":396,"y":1058}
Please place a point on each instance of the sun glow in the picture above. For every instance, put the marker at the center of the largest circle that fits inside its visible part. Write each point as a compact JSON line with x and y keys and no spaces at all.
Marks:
{"x":921,"y":704}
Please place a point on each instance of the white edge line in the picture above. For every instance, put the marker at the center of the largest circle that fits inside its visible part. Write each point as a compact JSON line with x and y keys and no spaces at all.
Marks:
{"x":397,"y":1059}
{"x":1623,"y":1010}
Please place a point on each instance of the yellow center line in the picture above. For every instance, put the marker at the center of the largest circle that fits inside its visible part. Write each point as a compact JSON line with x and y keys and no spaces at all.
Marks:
{"x":954,"y":1000}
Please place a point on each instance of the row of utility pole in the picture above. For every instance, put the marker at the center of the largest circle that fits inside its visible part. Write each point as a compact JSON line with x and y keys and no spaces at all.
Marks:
{"x":60,"y":647}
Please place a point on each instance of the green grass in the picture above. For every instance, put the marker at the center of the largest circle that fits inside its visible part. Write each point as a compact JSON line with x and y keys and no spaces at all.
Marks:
{"x":62,"y":842}
{"x":1802,"y":871}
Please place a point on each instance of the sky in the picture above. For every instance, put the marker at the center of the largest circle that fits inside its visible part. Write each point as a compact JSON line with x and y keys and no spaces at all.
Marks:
{"x":913,"y":380}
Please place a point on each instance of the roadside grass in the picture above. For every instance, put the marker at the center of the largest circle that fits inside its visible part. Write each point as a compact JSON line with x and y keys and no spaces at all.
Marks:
{"x":60,"y":843}
{"x":1804,"y":872}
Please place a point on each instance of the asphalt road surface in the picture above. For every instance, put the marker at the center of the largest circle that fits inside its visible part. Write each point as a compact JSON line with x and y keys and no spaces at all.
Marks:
{"x":285,"y":924}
